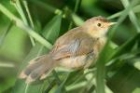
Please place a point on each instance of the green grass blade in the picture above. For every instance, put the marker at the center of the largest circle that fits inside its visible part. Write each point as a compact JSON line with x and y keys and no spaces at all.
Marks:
{"x":47,"y":6}
{"x":19,"y":7}
{"x":51,"y":30}
{"x":2,"y":37}
{"x":126,"y":47}
{"x":122,"y":18}
{"x":23,"y":26}
{"x":132,"y":16}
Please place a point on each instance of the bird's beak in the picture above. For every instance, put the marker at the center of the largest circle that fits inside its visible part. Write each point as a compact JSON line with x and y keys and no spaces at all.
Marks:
{"x":112,"y":23}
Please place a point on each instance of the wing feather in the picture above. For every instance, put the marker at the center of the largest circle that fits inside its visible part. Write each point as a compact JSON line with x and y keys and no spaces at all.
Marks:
{"x":76,"y":44}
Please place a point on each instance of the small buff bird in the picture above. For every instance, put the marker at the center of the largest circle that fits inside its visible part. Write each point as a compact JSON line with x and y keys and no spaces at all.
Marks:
{"x":76,"y":49}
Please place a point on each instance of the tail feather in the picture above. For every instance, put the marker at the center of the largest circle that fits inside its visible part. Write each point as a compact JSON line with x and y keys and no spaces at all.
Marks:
{"x":38,"y":68}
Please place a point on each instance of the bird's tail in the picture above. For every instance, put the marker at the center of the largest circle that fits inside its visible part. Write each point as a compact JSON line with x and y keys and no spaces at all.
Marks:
{"x":38,"y":68}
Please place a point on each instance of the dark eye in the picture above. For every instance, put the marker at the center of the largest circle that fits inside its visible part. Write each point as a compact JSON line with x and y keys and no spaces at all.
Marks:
{"x":99,"y":24}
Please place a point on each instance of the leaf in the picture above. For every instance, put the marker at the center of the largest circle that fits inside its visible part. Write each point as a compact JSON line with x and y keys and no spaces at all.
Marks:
{"x":51,"y":30}
{"x":2,"y":37}
{"x":126,"y":47}
{"x":137,"y":90}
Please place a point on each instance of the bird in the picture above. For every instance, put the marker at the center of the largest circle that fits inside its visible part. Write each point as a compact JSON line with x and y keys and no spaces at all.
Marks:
{"x":78,"y":48}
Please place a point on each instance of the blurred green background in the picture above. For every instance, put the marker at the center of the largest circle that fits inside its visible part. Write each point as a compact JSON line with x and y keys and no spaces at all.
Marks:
{"x":28,"y":28}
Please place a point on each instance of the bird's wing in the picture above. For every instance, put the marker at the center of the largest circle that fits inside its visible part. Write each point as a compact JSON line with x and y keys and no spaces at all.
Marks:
{"x":79,"y":43}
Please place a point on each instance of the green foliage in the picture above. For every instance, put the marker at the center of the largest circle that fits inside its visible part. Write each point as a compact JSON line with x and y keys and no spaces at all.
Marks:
{"x":29,"y":28}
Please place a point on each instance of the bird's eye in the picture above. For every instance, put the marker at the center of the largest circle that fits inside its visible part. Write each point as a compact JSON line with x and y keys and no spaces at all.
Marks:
{"x":99,"y":24}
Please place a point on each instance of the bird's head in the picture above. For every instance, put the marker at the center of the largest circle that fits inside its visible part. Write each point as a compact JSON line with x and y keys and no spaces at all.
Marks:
{"x":97,"y":26}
